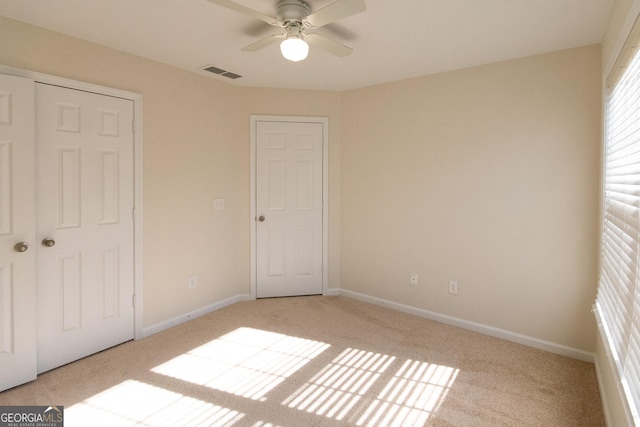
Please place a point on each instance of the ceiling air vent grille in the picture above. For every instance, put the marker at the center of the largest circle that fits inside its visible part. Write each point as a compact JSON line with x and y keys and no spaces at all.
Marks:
{"x":221,"y":72}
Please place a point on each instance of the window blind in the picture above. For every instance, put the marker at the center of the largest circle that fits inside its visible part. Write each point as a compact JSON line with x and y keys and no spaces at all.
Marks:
{"x":618,"y":300}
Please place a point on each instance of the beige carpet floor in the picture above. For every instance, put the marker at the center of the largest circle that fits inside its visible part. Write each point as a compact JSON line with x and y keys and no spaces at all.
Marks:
{"x":318,"y":361}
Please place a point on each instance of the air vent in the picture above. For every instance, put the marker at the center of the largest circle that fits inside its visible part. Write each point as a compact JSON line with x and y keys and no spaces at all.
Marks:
{"x":231,"y":75}
{"x":221,"y":72}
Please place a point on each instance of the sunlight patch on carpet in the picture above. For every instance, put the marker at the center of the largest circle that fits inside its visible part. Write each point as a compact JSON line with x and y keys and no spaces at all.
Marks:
{"x":246,"y":362}
{"x":414,"y":393}
{"x":338,"y":388}
{"x":407,"y":397}
{"x":133,"y":403}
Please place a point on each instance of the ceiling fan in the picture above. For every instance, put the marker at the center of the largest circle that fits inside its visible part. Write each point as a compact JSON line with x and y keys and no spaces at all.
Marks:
{"x":295,"y":18}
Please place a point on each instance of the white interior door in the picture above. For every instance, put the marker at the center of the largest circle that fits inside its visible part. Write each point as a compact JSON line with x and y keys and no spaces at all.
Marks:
{"x":84,"y":196}
{"x":289,"y":234}
{"x":17,"y":211}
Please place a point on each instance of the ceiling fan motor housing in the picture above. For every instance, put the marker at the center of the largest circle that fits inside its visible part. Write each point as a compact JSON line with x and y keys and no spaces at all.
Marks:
{"x":292,"y":11}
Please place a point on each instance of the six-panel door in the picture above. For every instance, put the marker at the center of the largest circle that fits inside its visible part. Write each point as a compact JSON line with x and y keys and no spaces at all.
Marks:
{"x":84,"y":195}
{"x":289,"y":208}
{"x":17,"y":233}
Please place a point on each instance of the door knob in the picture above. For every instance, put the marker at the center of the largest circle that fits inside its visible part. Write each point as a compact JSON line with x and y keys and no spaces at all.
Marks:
{"x":48,"y":242}
{"x":21,"y":247}
{"x":261,"y":218}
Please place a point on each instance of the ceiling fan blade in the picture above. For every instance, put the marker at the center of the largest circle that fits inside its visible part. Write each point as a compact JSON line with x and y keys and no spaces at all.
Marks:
{"x":245,"y":10}
{"x":329,"y":45}
{"x":263,"y":43}
{"x":335,"y":11}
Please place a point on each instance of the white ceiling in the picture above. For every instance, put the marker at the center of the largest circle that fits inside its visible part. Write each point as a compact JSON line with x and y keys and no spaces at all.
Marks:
{"x":392,"y":40}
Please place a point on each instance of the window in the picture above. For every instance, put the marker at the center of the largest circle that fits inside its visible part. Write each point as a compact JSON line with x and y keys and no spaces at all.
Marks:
{"x":618,"y":300}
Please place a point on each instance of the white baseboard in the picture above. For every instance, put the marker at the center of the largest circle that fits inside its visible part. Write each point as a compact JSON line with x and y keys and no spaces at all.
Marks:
{"x":477,"y":327}
{"x":192,"y":315}
{"x":438,"y":317}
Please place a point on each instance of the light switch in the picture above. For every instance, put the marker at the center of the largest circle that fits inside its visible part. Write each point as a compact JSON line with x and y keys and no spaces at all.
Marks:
{"x":218,"y":204}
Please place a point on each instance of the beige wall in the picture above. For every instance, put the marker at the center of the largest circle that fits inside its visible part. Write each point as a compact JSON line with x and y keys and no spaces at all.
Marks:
{"x":193,"y":152}
{"x":196,"y":148}
{"x":488,"y":176}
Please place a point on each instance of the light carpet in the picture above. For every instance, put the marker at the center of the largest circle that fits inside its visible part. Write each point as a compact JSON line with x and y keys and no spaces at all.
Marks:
{"x":318,"y":361}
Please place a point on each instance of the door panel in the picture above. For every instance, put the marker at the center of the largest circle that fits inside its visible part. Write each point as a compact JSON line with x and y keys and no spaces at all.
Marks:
{"x":17,"y":209}
{"x":84,"y":194}
{"x":289,"y":204}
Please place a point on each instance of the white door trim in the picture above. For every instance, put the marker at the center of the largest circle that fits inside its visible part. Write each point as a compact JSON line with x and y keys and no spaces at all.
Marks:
{"x":325,"y":192}
{"x":137,"y":172}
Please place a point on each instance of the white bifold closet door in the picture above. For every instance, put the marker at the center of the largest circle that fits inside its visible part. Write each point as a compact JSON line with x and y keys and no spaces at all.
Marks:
{"x":17,"y":233}
{"x":66,"y":226}
{"x":84,"y":223}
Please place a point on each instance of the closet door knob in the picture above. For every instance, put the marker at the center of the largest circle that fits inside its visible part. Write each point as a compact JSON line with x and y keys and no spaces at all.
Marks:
{"x":21,"y":247}
{"x":48,"y":242}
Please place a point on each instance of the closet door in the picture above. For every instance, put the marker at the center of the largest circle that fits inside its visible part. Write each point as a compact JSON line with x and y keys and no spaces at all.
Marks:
{"x":17,"y":233}
{"x":84,"y":195}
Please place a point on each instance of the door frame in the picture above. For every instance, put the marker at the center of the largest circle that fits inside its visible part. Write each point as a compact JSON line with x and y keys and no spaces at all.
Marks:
{"x":137,"y":213}
{"x":324,"y":121}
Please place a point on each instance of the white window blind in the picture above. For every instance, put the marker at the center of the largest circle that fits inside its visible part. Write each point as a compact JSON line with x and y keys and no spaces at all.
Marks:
{"x":618,"y":300}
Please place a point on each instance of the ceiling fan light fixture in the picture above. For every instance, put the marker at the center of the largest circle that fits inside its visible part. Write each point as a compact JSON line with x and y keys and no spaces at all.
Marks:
{"x":294,"y":17}
{"x":294,"y":49}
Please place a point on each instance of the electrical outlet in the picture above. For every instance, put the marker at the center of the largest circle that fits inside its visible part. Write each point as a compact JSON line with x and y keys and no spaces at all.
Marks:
{"x":218,"y":204}
{"x":192,"y":282}
{"x":413,"y":279}
{"x":453,"y":287}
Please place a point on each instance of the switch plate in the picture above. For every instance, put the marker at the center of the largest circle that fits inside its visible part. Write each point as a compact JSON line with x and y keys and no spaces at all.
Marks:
{"x":413,"y":279}
{"x":218,"y":204}
{"x":192,"y":282}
